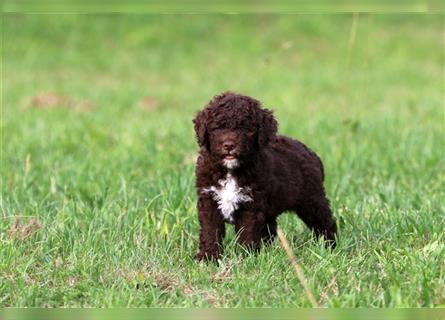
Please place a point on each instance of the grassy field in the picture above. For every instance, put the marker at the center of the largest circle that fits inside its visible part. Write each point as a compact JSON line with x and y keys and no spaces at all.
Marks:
{"x":97,"y":193}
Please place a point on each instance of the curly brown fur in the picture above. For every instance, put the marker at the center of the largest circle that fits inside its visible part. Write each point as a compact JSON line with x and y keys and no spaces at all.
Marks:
{"x":247,"y":175}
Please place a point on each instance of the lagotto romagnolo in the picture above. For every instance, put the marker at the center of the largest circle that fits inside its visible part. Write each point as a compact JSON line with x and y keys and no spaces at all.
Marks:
{"x":247,"y":175}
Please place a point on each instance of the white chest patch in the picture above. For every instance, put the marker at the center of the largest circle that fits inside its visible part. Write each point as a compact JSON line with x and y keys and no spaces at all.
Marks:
{"x":229,"y":196}
{"x":231,"y":164}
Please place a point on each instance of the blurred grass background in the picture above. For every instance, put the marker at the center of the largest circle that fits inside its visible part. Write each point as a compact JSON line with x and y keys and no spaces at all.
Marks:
{"x":98,"y":151}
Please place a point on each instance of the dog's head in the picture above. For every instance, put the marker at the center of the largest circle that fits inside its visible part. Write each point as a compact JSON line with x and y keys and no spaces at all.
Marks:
{"x":233,"y":127}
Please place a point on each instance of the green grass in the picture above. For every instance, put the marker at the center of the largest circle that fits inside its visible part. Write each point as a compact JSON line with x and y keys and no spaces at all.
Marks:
{"x":112,"y":186}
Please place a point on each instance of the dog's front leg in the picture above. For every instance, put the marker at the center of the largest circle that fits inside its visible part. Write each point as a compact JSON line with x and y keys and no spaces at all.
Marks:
{"x":212,"y":230}
{"x":251,"y":228}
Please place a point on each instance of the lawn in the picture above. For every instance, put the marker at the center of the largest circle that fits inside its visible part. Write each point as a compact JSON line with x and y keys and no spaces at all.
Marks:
{"x":97,"y":163}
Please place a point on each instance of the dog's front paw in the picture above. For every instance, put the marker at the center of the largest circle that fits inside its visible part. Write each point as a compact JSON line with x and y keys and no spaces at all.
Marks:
{"x":207,"y":256}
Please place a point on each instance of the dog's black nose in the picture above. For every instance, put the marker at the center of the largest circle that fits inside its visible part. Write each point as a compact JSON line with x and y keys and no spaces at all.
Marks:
{"x":228,"y":145}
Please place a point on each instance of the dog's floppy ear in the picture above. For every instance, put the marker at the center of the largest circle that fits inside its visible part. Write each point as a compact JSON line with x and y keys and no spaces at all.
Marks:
{"x":201,"y":129}
{"x":267,"y":127}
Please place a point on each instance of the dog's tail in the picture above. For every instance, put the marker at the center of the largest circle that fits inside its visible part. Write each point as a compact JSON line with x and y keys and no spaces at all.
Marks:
{"x":321,"y":166}
{"x":317,"y":158}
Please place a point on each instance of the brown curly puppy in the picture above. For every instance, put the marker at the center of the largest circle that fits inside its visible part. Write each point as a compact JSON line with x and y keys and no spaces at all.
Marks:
{"x":247,"y":175}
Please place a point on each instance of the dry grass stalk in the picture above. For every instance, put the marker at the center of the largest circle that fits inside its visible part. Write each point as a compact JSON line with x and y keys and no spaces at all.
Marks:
{"x":332,"y":285}
{"x":352,"y":35}
{"x":46,"y":100}
{"x":149,"y":103}
{"x":23,"y":231}
{"x":298,"y":270}
{"x":353,"y":30}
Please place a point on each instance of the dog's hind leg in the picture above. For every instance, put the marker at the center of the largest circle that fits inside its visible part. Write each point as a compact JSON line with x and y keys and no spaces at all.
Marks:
{"x":317,"y":215}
